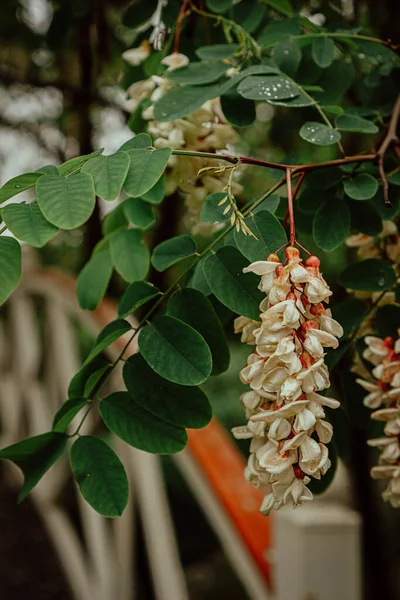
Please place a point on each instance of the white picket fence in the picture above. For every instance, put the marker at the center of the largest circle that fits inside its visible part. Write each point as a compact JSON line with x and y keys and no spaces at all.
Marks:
{"x":316,"y":553}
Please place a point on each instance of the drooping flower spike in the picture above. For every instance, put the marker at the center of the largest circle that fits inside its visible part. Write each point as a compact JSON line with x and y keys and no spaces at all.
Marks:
{"x":285,"y":372}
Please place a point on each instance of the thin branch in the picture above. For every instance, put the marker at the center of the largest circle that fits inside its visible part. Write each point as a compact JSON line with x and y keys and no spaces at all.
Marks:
{"x":391,"y":137}
{"x":290,"y":206}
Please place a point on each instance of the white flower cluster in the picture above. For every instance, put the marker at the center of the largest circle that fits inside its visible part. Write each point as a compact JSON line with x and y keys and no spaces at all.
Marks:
{"x":205,"y":130}
{"x":285,"y":372}
{"x":384,"y":392}
{"x":385,"y":245}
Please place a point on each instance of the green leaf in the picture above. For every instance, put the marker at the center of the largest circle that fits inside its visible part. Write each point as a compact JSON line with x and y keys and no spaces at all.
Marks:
{"x":100,"y":475}
{"x":210,"y":211}
{"x":67,"y":202}
{"x":198,"y":73}
{"x":171,"y":251}
{"x":278,"y":30}
{"x":66,"y":413}
{"x":350,"y":313}
{"x":367,"y":220}
{"x":138,"y":13}
{"x":323,"y":51}
{"x":175,"y":351}
{"x":146,"y":168}
{"x":361,"y":187}
{"x":238,"y":110}
{"x":111,"y":332}
{"x":217,"y":51}
{"x":156,"y":194}
{"x":394,"y":179}
{"x":193,"y":308}
{"x":331,"y":224}
{"x":387,"y":321}
{"x":352,"y":398}
{"x":85,"y":380}
{"x":129,"y":254}
{"x":219,"y":6}
{"x":299,"y":101}
{"x":114,"y":220}
{"x":34,"y":456}
{"x":139,"y":213}
{"x":269,"y":233}
{"x":139,"y":427}
{"x":135,"y":295}
{"x":18,"y":184}
{"x":75,"y":164}
{"x":346,"y":122}
{"x":310,"y":200}
{"x":10,"y":267}
{"x":108,"y":174}
{"x":28,"y":224}
{"x":323,"y":179}
{"x":266,"y":88}
{"x":198,"y":279}
{"x":335,"y":81}
{"x":249,"y":14}
{"x":142,"y":140}
{"x":387,"y":213}
{"x":93,"y":280}
{"x":179,"y":405}
{"x":235,"y":289}
{"x":371,"y":275}
{"x":48,"y":170}
{"x":319,"y":134}
{"x":287,"y":56}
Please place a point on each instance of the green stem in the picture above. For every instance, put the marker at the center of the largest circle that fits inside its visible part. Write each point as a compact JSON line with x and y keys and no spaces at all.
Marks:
{"x":354,"y":36}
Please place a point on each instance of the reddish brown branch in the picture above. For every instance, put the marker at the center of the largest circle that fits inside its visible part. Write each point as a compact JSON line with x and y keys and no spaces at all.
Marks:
{"x":182,"y":14}
{"x":391,"y":137}
{"x":290,"y":206}
{"x":296,"y":190}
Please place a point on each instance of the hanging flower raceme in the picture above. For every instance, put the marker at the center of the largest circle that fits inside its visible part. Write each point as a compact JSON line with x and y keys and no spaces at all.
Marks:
{"x":384,"y":397}
{"x":285,"y":372}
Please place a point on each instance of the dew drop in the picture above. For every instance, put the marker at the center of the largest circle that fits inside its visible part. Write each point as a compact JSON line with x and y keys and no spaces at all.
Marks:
{"x":17,"y":185}
{"x":286,"y":52}
{"x":381,"y":282}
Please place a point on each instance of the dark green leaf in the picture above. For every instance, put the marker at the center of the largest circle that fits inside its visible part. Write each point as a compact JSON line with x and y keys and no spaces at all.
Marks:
{"x":129,"y":254}
{"x":100,"y":475}
{"x":323,"y":179}
{"x":198,"y":73}
{"x":28,"y":224}
{"x":394,"y":179}
{"x":238,"y":110}
{"x":175,"y":351}
{"x":331,"y":225}
{"x":135,"y":295}
{"x":156,"y":194}
{"x":335,"y":81}
{"x":10,"y":267}
{"x":114,"y":220}
{"x":138,"y":13}
{"x":323,"y":50}
{"x":210,"y":211}
{"x":67,"y":202}
{"x":287,"y":56}
{"x":387,"y":213}
{"x":235,"y":289}
{"x":192,"y":307}
{"x":139,"y":213}
{"x":34,"y":456}
{"x":93,"y":280}
{"x":75,"y":164}
{"x":269,"y":233}
{"x":108,"y":174}
{"x":111,"y":332}
{"x":18,"y":184}
{"x":139,"y":427}
{"x":346,"y":122}
{"x":147,"y":166}
{"x":66,"y":413}
{"x":198,"y":280}
{"x":350,"y":313}
{"x":249,"y":14}
{"x":84,"y":382}
{"x":361,"y":187}
{"x":217,"y":51}
{"x":371,"y":275}
{"x":387,"y":321}
{"x":172,"y":251}
{"x":365,"y":218}
{"x":353,"y":396}
{"x":179,"y":405}
{"x":319,"y":134}
{"x":268,"y":87}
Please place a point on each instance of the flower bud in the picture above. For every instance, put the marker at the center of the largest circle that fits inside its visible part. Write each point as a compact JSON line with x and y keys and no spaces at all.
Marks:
{"x":292,"y":253}
{"x":273,"y":257}
{"x":313,"y":261}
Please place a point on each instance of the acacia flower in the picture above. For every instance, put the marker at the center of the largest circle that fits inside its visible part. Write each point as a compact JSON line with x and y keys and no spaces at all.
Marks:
{"x":285,"y":371}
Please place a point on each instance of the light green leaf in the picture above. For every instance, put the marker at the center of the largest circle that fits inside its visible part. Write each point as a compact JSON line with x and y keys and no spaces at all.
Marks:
{"x":108,"y":174}
{"x":142,"y":140}
{"x":67,"y":202}
{"x":361,"y":187}
{"x":331,"y":224}
{"x":139,"y":213}
{"x":75,"y":164}
{"x":146,"y":168}
{"x":129,"y":254}
{"x":139,"y":427}
{"x":85,"y":380}
{"x":198,"y":73}
{"x":109,"y":334}
{"x":346,"y":122}
{"x":18,"y":184}
{"x":266,"y":88}
{"x":34,"y":456}
{"x":135,"y":295}
{"x":48,"y":170}
{"x":10,"y":267}
{"x":269,"y":233}
{"x":180,"y":405}
{"x":371,"y":275}
{"x":287,"y":56}
{"x":235,"y":289}
{"x":171,"y":251}
{"x":319,"y":134}
{"x":192,"y":307}
{"x":323,"y":51}
{"x":175,"y":351}
{"x":114,"y":220}
{"x":157,"y":192}
{"x":93,"y":280}
{"x":100,"y":475}
{"x":67,"y":412}
{"x":210,"y":211}
{"x":28,"y":224}
{"x":217,"y":51}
